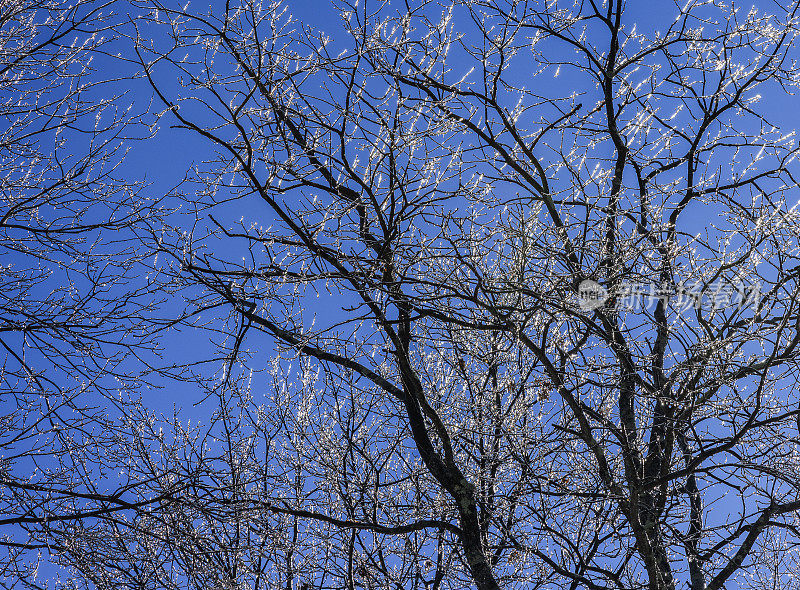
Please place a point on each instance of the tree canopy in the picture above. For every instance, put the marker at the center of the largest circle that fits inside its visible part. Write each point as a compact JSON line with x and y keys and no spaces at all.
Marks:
{"x":469,"y":294}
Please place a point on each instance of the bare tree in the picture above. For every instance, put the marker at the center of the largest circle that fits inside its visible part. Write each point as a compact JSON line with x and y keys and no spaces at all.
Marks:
{"x":527,"y":275}
{"x":68,"y":307}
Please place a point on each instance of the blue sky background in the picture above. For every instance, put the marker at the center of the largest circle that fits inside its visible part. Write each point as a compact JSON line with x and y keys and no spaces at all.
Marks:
{"x":166,"y":158}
